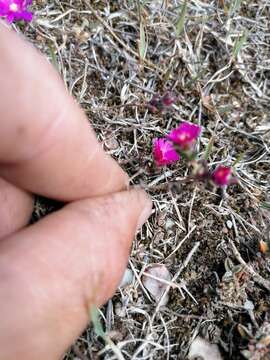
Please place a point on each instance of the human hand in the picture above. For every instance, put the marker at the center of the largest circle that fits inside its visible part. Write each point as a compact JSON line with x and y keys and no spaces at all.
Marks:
{"x":53,"y":271}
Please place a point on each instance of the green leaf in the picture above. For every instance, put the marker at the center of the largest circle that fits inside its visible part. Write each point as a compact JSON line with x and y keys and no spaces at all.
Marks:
{"x":181,"y":20}
{"x":239,"y":44}
{"x":95,"y":318}
{"x":225,"y":109}
{"x":142,"y":43}
{"x":265,"y":205}
{"x":209,"y":148}
{"x":53,"y":57}
{"x":238,"y":159}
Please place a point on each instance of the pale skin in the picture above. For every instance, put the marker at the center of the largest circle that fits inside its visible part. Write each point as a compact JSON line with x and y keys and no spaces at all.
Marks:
{"x":53,"y":271}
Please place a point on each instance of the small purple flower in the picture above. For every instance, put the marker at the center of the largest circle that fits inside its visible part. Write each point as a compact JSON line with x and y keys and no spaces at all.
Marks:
{"x":168,"y":99}
{"x":158,"y":103}
{"x":222,"y":175}
{"x":164,"y":152}
{"x":185,"y":135}
{"x":15,"y":10}
{"x":155,"y":105}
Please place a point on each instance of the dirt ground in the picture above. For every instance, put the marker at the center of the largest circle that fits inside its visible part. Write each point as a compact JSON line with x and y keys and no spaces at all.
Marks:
{"x":114,"y":56}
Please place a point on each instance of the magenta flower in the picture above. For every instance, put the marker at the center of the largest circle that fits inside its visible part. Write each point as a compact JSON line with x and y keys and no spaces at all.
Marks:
{"x":164,"y":153}
{"x":185,"y":135}
{"x":15,"y":10}
{"x":222,"y":175}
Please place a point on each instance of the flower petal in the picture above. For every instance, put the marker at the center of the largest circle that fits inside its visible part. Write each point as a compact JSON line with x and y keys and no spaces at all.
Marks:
{"x":10,"y":17}
{"x":164,"y":152}
{"x":221,"y":176}
{"x":16,"y":10}
{"x":27,"y":16}
{"x":185,"y":135}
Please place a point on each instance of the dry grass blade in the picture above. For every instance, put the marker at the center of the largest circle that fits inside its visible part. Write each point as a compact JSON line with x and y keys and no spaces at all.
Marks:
{"x":142,"y":42}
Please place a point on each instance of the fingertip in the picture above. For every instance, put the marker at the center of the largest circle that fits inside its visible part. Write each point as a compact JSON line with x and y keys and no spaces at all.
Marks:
{"x":143,"y":201}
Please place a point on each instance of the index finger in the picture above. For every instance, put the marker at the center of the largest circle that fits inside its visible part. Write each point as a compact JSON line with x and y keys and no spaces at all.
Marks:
{"x":46,"y":143}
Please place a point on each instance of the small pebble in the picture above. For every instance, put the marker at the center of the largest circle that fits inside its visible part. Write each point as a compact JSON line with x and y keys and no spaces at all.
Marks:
{"x":248,"y":305}
{"x":119,"y":310}
{"x":169,"y":224}
{"x":229,"y":224}
{"x":111,"y":143}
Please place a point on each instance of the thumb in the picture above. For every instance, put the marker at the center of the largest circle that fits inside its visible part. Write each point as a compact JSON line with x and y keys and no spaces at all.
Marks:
{"x":53,"y":271}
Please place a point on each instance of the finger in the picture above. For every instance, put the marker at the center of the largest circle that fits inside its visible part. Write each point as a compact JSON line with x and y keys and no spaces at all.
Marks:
{"x":53,"y":271}
{"x":15,"y":210}
{"x":46,"y":143}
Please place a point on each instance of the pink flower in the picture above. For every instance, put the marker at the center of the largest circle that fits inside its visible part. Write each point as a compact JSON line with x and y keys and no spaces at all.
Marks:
{"x":222,"y":175}
{"x":164,"y":152}
{"x":185,"y":135}
{"x":15,"y":10}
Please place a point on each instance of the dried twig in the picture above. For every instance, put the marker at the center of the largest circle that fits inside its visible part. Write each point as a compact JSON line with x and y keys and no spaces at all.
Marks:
{"x":257,"y":278}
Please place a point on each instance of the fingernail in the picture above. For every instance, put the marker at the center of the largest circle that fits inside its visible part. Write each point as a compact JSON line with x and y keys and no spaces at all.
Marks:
{"x":146,"y":212}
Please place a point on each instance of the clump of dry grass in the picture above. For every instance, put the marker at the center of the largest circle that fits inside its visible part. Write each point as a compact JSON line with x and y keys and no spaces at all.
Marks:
{"x":113,"y":56}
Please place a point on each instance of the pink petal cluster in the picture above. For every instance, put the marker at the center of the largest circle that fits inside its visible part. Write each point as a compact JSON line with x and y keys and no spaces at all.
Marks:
{"x":180,"y":143}
{"x":185,"y":135}
{"x":222,"y":175}
{"x":15,"y":10}
{"x":164,"y":152}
